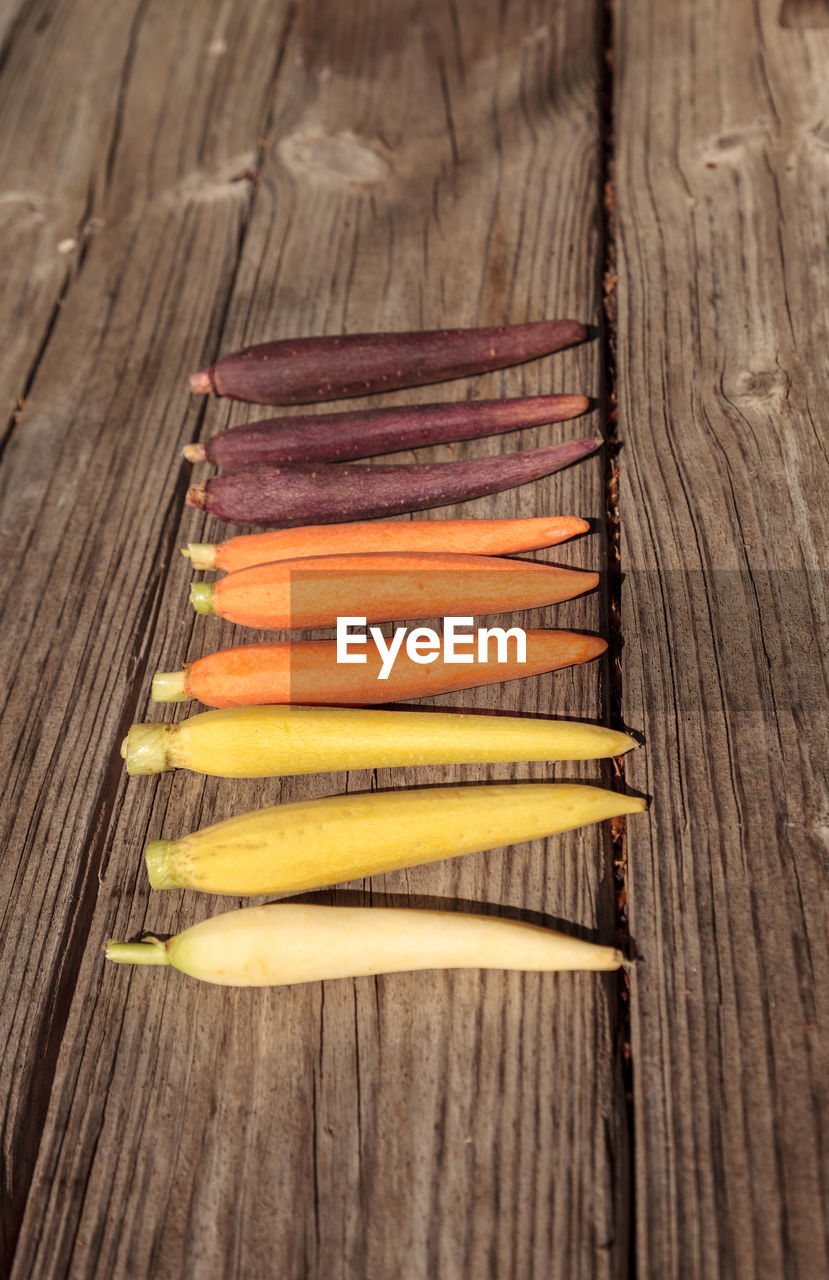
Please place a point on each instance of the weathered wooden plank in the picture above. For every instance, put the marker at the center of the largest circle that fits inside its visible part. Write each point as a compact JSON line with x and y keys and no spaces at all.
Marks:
{"x":12,"y":17}
{"x":84,"y":544}
{"x":54,"y":164}
{"x":426,"y":166}
{"x":721,"y":188}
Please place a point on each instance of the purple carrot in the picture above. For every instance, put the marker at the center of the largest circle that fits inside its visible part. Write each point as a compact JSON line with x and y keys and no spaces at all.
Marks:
{"x":326,"y":493}
{"x":302,"y":370}
{"x":333,"y":437}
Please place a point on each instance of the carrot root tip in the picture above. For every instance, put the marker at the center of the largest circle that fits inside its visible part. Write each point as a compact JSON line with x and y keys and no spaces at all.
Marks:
{"x":197,"y":496}
{"x":201,"y":383}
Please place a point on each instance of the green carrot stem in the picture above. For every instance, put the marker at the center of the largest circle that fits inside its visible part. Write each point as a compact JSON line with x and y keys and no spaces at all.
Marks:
{"x":145,"y":748}
{"x":150,"y":951}
{"x":202,"y":555}
{"x":169,"y":686}
{"x":159,"y":864}
{"x":201,"y":596}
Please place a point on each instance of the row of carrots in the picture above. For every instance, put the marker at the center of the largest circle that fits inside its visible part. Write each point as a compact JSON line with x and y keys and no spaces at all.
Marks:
{"x":289,"y":707}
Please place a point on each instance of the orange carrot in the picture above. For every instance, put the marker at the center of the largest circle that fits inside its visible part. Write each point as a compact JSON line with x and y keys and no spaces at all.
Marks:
{"x":307,"y":672}
{"x":470,"y":537}
{"x":315,"y":591}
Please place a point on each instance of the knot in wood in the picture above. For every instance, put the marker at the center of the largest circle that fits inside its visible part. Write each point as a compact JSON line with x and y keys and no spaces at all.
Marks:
{"x":763,"y":384}
{"x":338,"y":157}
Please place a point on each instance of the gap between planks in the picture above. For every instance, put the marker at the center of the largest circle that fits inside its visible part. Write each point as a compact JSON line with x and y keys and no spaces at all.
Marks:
{"x":614,"y":579}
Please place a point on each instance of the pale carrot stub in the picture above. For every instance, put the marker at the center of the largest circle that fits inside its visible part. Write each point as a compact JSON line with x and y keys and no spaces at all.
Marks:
{"x":469,"y":537}
{"x":313,"y":843}
{"x":307,"y":672}
{"x":285,"y":943}
{"x":380,"y":585}
{"x":271,"y":741}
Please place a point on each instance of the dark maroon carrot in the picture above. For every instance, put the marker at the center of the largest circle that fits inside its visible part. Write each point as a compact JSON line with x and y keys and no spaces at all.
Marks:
{"x":302,"y":370}
{"x":324,"y":493}
{"x":334,"y":437}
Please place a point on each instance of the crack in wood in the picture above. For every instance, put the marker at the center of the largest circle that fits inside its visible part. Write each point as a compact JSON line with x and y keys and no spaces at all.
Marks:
{"x":624,"y":1173}
{"x":40,"y":351}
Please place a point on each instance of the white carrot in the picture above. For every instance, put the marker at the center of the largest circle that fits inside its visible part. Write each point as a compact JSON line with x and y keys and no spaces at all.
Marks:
{"x":288,"y":942}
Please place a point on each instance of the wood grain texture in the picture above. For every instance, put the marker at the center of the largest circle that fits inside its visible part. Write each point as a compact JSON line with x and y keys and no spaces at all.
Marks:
{"x":720,"y":197}
{"x":54,"y":165}
{"x":90,"y":482}
{"x":428,"y":165}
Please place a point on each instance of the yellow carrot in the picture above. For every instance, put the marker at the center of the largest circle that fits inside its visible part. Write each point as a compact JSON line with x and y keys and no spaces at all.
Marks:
{"x":311,"y":843}
{"x":262,"y":742}
{"x":287,"y":942}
